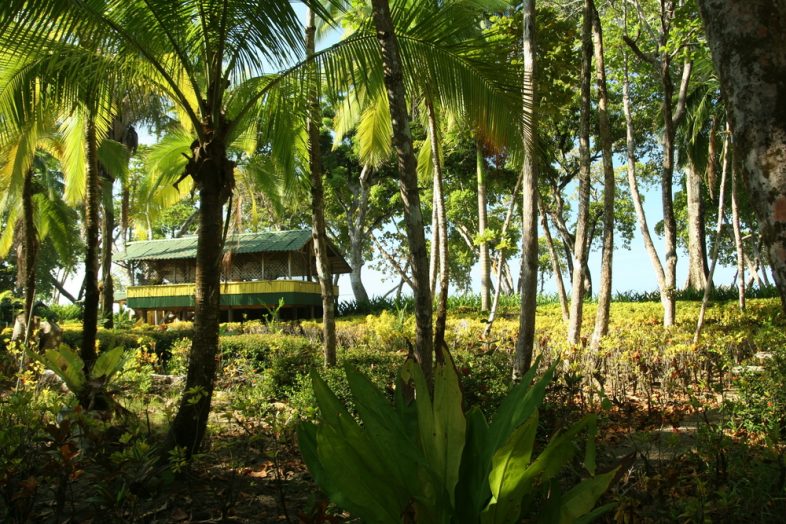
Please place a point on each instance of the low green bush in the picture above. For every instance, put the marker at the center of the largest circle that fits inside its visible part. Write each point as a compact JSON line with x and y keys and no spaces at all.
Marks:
{"x":430,"y":461}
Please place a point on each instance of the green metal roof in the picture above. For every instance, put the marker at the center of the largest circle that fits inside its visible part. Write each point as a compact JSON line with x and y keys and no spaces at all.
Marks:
{"x":185,"y":248}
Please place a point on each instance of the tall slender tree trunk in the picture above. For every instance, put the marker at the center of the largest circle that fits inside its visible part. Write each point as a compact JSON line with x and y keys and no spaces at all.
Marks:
{"x":92,"y":226}
{"x":483,"y":245}
{"x":357,"y":236}
{"x":697,"y":244}
{"x":555,"y":267}
{"x":213,"y":176}
{"x":666,"y":296}
{"x":672,"y":115}
{"x":749,"y":52}
{"x":735,"y":225}
{"x":107,"y":231}
{"x":726,"y":162}
{"x":609,"y":184}
{"x":667,"y":199}
{"x":525,"y":343}
{"x":31,"y":252}
{"x":433,"y":263}
{"x":501,"y":263}
{"x":582,"y":222}
{"x":126,"y":135}
{"x":408,"y":181}
{"x":442,"y":228}
{"x":319,"y":229}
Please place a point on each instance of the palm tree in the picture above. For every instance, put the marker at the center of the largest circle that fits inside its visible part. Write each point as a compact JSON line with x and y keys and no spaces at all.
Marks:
{"x":192,"y":51}
{"x":27,"y":132}
{"x":466,"y":84}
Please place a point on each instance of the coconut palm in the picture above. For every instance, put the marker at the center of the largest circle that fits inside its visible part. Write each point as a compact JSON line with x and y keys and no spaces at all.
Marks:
{"x":484,"y":98}
{"x":210,"y":59}
{"x":33,"y":126}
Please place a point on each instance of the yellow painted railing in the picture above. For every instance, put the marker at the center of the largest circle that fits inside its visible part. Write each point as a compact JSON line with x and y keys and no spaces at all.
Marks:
{"x":228,"y":288}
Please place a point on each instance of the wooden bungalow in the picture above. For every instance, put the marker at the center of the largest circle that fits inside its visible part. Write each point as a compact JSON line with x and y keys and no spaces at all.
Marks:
{"x":258,"y":271}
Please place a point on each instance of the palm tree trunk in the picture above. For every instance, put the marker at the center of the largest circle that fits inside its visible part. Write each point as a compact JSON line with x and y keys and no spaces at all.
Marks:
{"x":582,"y":222}
{"x":442,"y":229}
{"x":433,"y":262}
{"x":31,"y":252}
{"x":92,"y":226}
{"x":609,"y":188}
{"x":107,"y":230}
{"x":483,"y":245}
{"x":319,"y":230}
{"x":408,"y":181}
{"x":212,"y":174}
{"x":525,"y":343}
{"x":747,"y":44}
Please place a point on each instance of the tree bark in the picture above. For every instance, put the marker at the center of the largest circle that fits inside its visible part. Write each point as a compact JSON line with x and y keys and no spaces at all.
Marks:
{"x":319,"y":229}
{"x":609,"y":184}
{"x":442,"y":229}
{"x":718,"y":231}
{"x":501,"y":263}
{"x":581,"y":245}
{"x":525,"y":343}
{"x":433,"y":263}
{"x":735,"y":225}
{"x":555,"y":267}
{"x":697,"y":244}
{"x":408,"y":181}
{"x":92,"y":205}
{"x":483,"y":245}
{"x":666,"y":294}
{"x":107,"y":229}
{"x":672,"y":115}
{"x":357,"y":234}
{"x":667,"y":199}
{"x":749,"y":52}
{"x":31,"y":252}
{"x":213,"y":176}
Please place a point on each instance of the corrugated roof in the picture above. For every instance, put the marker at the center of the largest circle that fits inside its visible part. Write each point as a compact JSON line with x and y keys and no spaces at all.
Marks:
{"x":184,"y":248}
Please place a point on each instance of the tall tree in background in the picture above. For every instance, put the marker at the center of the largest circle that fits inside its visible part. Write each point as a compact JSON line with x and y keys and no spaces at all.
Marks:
{"x":407,"y":167}
{"x":318,"y":228}
{"x":749,"y":52}
{"x":482,"y":241}
{"x":604,"y":135}
{"x":581,"y":245}
{"x":529,"y":208}
{"x":660,"y":62}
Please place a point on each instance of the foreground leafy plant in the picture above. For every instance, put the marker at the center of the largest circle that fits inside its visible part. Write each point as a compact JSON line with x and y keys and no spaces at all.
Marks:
{"x":91,"y":387}
{"x":429,"y":461}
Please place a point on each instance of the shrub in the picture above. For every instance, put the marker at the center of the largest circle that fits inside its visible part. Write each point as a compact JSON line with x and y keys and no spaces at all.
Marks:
{"x":428,"y":461}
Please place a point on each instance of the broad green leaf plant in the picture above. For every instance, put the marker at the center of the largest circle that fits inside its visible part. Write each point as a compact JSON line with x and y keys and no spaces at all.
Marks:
{"x":430,"y":461}
{"x":67,"y":365}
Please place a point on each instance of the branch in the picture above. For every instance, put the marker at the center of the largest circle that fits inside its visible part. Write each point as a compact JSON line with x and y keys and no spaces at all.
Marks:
{"x":462,"y":231}
{"x":679,"y":112}
{"x":651,"y":60}
{"x":63,"y":291}
{"x":392,"y":261}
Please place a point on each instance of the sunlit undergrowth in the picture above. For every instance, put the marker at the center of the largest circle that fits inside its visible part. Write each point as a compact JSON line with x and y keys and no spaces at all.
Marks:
{"x":706,"y":422}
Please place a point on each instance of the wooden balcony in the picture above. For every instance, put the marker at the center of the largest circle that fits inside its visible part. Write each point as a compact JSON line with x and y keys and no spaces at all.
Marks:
{"x":240,"y":295}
